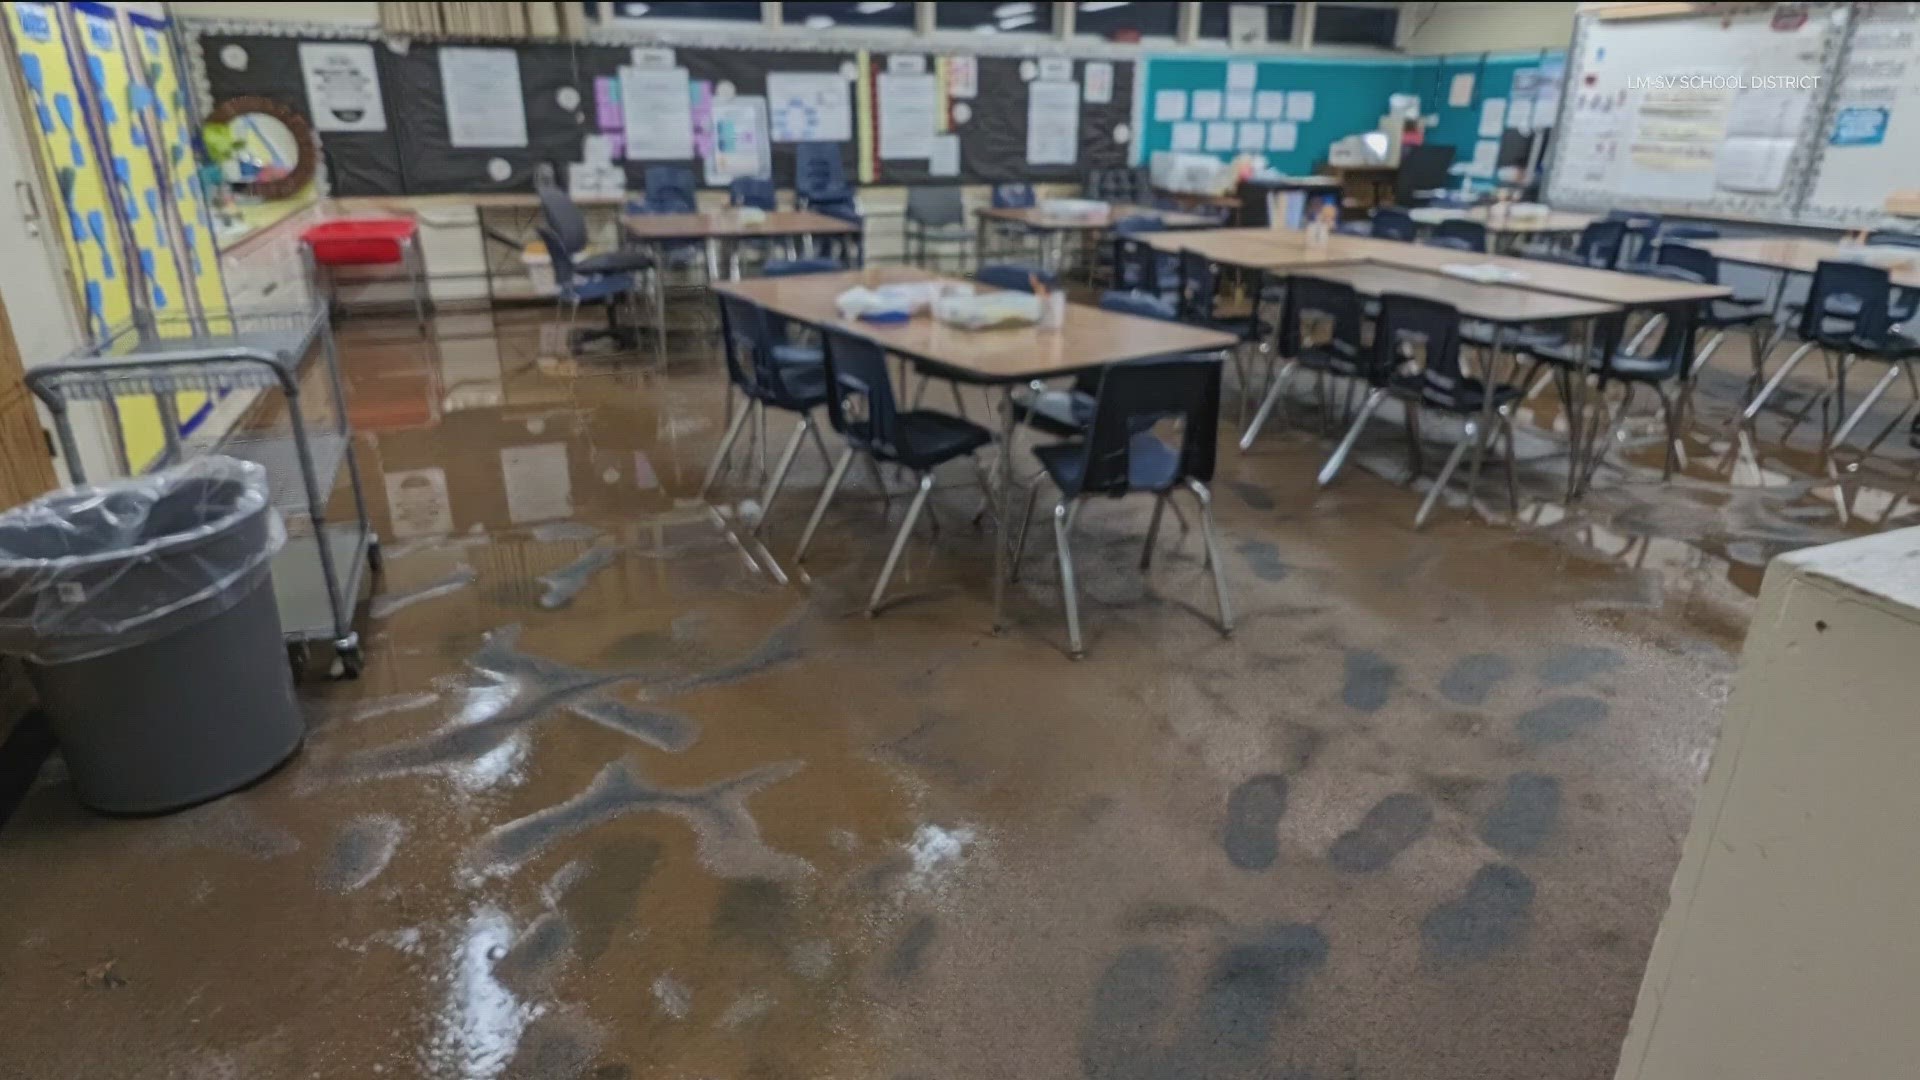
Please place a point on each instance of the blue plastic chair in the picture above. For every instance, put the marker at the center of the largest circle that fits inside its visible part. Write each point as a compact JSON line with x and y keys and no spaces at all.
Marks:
{"x":767,"y":382}
{"x":1012,"y":196}
{"x":1066,"y":413}
{"x":1122,"y":454}
{"x":796,"y":267}
{"x":1314,"y":303}
{"x":1643,"y":231}
{"x":1471,"y":234}
{"x":1719,"y":316}
{"x":1136,"y":265}
{"x":1018,"y":277}
{"x":753,"y":191}
{"x":1391,"y":223}
{"x":862,"y":407}
{"x":786,"y":350}
{"x":1689,"y":232}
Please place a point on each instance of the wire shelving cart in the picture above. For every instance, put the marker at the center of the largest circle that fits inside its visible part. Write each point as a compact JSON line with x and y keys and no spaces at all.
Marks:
{"x":300,"y":436}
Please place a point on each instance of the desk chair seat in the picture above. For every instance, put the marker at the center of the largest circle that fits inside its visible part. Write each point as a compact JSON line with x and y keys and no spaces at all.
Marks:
{"x":1122,"y":454}
{"x":615,"y":262}
{"x":862,"y":407}
{"x":575,"y":286}
{"x":1066,"y":413}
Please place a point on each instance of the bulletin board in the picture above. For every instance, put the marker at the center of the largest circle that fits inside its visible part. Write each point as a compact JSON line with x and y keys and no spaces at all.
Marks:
{"x":415,"y":155}
{"x":1869,"y":139}
{"x":1489,"y":79}
{"x":1349,"y":96}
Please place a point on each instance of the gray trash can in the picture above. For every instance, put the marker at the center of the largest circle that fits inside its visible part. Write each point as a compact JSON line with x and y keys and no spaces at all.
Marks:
{"x":145,"y":611}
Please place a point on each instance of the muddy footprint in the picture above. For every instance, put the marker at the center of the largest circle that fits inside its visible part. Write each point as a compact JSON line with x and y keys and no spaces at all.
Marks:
{"x":1253,"y":813}
{"x":1526,"y":815}
{"x":1494,"y":910}
{"x":1393,"y":824}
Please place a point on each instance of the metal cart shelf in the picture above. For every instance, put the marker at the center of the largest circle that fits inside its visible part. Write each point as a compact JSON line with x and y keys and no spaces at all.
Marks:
{"x":302,"y":441}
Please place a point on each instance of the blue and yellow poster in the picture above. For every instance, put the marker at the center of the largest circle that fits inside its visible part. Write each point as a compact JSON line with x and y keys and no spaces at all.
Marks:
{"x":170,"y":136}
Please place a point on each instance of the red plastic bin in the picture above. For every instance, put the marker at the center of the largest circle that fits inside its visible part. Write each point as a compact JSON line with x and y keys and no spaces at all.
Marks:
{"x":360,"y":241}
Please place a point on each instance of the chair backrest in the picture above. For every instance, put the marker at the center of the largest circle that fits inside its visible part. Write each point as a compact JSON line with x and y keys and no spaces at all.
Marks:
{"x":796,"y":267}
{"x":669,"y":189}
{"x":1015,"y":276}
{"x":1699,"y":263}
{"x":1689,"y":232}
{"x":1135,"y":396}
{"x":935,"y":206}
{"x":747,"y":343}
{"x":1136,"y":265}
{"x":1392,"y":223}
{"x":1311,"y":299}
{"x":1675,"y":344}
{"x":819,"y":174}
{"x":557,"y":253}
{"x":564,"y":218}
{"x":1138,"y":303}
{"x":860,"y":393}
{"x":1354,"y":228}
{"x":1894,"y":237}
{"x":1601,"y":243}
{"x":1012,"y":196}
{"x":1414,"y":335}
{"x":1199,"y":283}
{"x":1472,"y":232}
{"x":753,"y":191}
{"x":1845,"y":298}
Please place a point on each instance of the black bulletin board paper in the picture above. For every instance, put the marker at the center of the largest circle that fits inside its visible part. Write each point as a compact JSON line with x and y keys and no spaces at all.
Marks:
{"x":415,"y":156}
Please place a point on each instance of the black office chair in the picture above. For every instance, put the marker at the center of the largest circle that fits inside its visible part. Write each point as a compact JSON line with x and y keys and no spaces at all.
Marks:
{"x":1122,"y":454}
{"x":862,"y":407}
{"x":574,"y":286}
{"x":569,"y":226}
{"x":1393,"y":223}
{"x":1321,"y":330}
{"x":1466,"y":234}
{"x":767,"y":382}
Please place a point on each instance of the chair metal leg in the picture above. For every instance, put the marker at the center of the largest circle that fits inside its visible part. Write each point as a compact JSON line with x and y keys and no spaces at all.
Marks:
{"x":1598,"y":455}
{"x":1415,"y":451}
{"x":1063,"y":518}
{"x":826,"y":456}
{"x":880,"y":484}
{"x":779,"y":477}
{"x":899,"y":543}
{"x":1873,"y":396}
{"x":1274,"y":394}
{"x":1026,"y":523}
{"x":760,"y":442}
{"x":1670,"y":415}
{"x":1513,"y":463}
{"x":1153,"y":530}
{"x":1332,"y":468}
{"x":1760,"y":400}
{"x":1469,"y":436}
{"x":958,"y":402}
{"x":722,"y":455}
{"x":827,"y":493}
{"x":1205,"y":499}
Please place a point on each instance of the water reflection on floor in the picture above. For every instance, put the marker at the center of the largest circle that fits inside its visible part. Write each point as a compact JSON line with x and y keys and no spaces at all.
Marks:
{"x":610,"y":801}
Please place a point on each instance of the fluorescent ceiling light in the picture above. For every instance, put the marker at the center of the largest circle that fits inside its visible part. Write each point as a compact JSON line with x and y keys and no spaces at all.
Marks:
{"x":818,"y":22}
{"x":1008,"y":11}
{"x":1103,"y":5}
{"x":873,"y":8}
{"x":633,"y":10}
{"x":1016,"y":22}
{"x":986,"y":28}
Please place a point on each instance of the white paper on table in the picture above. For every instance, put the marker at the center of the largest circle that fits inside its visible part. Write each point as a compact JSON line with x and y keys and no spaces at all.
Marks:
{"x":659,"y":113}
{"x":1053,"y":123}
{"x":1252,"y":137}
{"x":907,"y":115}
{"x":1300,"y":105}
{"x":1486,"y":157}
{"x":1283,"y":135}
{"x":537,"y":482}
{"x":484,"y":104}
{"x":1186,"y":136}
{"x":1242,"y":74}
{"x":741,"y":146}
{"x":1270,"y":104}
{"x":906,"y":64}
{"x":1460,"y":90}
{"x":1520,"y":116}
{"x":1220,"y":135}
{"x":1754,"y":165}
{"x":1099,"y":82}
{"x":945,"y":159}
{"x":1207,"y":104}
{"x":343,"y":86}
{"x":963,"y":76}
{"x":1493,"y":117}
{"x":811,"y":106}
{"x":1239,"y":104}
{"x":1056,"y":68}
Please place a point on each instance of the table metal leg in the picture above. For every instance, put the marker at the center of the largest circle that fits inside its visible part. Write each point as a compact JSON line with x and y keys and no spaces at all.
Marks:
{"x":659,"y":253}
{"x":1489,"y":379}
{"x":1003,"y":510}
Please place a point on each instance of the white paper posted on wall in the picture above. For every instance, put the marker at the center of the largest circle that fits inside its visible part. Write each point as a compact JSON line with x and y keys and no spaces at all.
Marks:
{"x":659,"y":114}
{"x":809,"y":106}
{"x":343,"y":86}
{"x":1053,"y":123}
{"x":1169,"y":105}
{"x":906,"y":116}
{"x":484,"y":104}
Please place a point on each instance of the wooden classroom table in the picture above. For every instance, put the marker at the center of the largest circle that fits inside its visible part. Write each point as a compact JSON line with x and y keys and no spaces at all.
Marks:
{"x":1006,"y":358}
{"x":1797,"y":255}
{"x":1036,"y":219}
{"x":1510,"y":224}
{"x":654,"y":232}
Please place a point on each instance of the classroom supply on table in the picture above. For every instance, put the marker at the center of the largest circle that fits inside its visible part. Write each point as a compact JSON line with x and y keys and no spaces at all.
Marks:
{"x":905,"y":299}
{"x":989,"y":310}
{"x":1485,"y":273}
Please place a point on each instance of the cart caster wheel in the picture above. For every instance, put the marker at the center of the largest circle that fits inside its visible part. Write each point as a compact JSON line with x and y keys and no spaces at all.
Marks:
{"x":347,"y":659}
{"x":376,"y":561}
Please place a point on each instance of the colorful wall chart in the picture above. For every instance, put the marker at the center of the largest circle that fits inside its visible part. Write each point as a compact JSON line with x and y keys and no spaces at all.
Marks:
{"x":170,"y":133}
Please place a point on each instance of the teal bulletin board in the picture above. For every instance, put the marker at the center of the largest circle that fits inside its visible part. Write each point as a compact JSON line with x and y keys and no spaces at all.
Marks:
{"x":1350,"y":96}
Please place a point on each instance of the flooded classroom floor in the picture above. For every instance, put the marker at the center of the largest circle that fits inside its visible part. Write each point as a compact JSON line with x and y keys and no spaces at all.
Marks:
{"x":611,"y":802}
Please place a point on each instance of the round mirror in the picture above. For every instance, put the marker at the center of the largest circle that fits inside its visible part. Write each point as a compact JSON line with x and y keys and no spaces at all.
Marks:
{"x":264,"y":148}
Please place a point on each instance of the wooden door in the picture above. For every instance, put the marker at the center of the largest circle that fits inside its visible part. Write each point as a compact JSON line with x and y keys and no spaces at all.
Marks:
{"x":26,"y":468}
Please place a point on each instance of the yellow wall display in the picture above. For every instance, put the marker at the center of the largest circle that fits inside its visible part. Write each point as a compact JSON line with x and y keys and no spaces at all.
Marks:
{"x":88,"y":230}
{"x":170,"y":134}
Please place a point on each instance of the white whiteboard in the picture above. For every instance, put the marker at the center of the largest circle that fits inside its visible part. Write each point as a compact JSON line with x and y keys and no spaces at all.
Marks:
{"x":1877,"y":95}
{"x":1708,"y":114}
